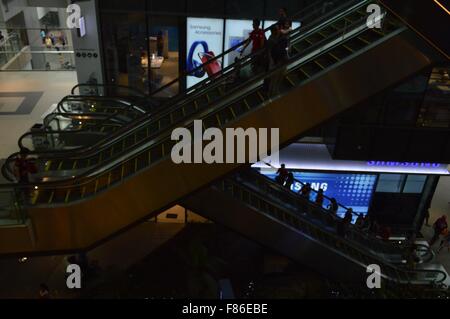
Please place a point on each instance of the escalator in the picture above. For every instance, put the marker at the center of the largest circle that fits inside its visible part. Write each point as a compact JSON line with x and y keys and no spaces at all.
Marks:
{"x":261,"y":210}
{"x":132,"y":176}
{"x":80,"y":122}
{"x":305,"y":43}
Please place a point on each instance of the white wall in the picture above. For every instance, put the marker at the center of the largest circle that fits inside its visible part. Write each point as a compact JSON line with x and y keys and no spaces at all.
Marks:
{"x":440,"y":204}
{"x":14,"y":7}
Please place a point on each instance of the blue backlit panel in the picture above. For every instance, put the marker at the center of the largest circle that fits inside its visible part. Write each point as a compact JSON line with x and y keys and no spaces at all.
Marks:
{"x":351,"y":190}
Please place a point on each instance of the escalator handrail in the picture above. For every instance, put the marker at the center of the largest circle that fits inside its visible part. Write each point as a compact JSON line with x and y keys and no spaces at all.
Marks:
{"x":139,"y":92}
{"x":367,"y":237}
{"x":103,"y":116}
{"x":81,"y":98}
{"x":107,"y":117}
{"x":161,"y":136}
{"x":313,"y":190}
{"x":337,"y":238}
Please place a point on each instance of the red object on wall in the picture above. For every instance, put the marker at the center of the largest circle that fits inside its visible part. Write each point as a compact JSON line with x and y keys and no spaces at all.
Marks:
{"x":212,"y":68}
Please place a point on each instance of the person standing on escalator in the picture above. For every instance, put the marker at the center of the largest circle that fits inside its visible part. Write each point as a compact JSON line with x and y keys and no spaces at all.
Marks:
{"x":285,"y":25}
{"x":320,"y":197}
{"x":23,"y":168}
{"x":282,"y":175}
{"x":277,"y":46}
{"x":289,"y":181}
{"x":258,"y":40}
{"x":333,"y":207}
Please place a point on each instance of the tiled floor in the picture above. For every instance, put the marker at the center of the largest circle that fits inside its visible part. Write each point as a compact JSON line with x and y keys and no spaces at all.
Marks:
{"x":24,"y":98}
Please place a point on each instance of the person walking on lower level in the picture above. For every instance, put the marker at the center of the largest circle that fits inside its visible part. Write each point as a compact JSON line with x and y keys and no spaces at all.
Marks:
{"x":282,"y":175}
{"x":439,"y":226}
{"x":289,"y":180}
{"x":333,"y":207}
{"x":320,"y":197}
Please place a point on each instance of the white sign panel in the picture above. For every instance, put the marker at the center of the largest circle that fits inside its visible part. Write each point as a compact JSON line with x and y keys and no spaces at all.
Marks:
{"x":204,"y":40}
{"x":236,"y":31}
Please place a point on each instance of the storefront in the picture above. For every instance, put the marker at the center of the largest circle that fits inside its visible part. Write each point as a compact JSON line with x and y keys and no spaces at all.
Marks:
{"x":148,"y":44}
{"x":398,"y":193}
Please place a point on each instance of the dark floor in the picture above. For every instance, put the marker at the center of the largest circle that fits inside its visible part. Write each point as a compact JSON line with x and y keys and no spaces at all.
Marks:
{"x":193,"y":262}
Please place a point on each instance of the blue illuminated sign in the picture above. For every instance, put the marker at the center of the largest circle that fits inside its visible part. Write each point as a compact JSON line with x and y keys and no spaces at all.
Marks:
{"x":402,"y":164}
{"x":351,"y":190}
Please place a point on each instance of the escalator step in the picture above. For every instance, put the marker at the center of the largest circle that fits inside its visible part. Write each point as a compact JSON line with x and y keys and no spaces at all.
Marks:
{"x":311,"y":68}
{"x":298,"y":76}
{"x":54,"y":165}
{"x":67,"y":165}
{"x":189,"y":109}
{"x":340,"y":52}
{"x":301,"y":46}
{"x":141,"y":134}
{"x":177,"y":115}
{"x":164,"y":122}
{"x":355,"y":44}
{"x":211,"y":121}
{"x":339,"y":25}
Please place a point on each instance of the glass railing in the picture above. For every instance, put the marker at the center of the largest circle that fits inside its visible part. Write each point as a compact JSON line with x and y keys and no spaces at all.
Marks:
{"x":9,"y":47}
{"x":339,"y":244}
{"x":26,"y":49}
{"x":29,"y":60}
{"x":332,"y":35}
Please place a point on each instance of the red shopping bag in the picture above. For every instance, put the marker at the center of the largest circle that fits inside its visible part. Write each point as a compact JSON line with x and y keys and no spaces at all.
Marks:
{"x":212,"y":68}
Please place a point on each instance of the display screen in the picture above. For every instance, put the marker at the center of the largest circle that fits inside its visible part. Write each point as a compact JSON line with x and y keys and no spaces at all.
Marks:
{"x":236,"y":31}
{"x":351,"y":190}
{"x":82,"y":29}
{"x":204,"y":40}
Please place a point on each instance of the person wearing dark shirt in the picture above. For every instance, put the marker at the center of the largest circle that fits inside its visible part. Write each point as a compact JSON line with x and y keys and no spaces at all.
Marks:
{"x":282,"y":175}
{"x":289,"y":180}
{"x":306,"y":191}
{"x":320,"y":198}
{"x":277,"y":47}
{"x":284,"y":23}
{"x":333,"y":207}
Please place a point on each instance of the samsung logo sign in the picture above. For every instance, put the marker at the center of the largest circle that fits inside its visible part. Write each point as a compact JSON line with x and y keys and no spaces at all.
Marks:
{"x":402,"y":164}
